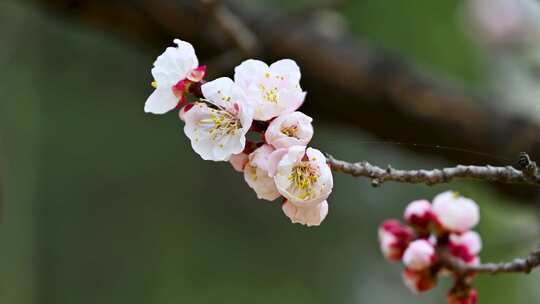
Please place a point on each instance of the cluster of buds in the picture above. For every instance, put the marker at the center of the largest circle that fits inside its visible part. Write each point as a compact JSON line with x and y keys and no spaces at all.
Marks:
{"x":435,"y":232}
{"x":261,"y":103}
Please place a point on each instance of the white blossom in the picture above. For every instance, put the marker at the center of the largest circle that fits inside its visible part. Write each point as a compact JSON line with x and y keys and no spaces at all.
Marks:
{"x":171,"y":68}
{"x":303,"y":176}
{"x":274,"y":90}
{"x":218,"y":130}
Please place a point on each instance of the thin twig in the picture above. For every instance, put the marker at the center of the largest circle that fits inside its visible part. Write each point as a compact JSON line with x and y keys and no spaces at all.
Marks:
{"x":529,"y":174}
{"x":525,"y":265}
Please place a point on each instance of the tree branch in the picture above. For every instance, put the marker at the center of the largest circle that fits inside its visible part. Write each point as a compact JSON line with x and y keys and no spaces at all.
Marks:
{"x":366,"y":86}
{"x":524,"y":265}
{"x":528,"y":175}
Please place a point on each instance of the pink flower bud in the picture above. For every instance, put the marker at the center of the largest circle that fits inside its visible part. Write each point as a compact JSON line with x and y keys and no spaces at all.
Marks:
{"x":454,"y":212}
{"x":456,"y":296}
{"x":465,"y":246}
{"x":419,"y":281}
{"x":239,"y":161}
{"x":419,"y":255}
{"x":309,"y":216}
{"x":394,"y":239}
{"x":418,"y":213}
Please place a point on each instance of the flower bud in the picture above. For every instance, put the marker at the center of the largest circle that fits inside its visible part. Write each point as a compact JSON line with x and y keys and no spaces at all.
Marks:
{"x":419,"y":281}
{"x":418,"y":213}
{"x":394,"y":238}
{"x":465,"y":246}
{"x":454,"y":212}
{"x":419,"y":255}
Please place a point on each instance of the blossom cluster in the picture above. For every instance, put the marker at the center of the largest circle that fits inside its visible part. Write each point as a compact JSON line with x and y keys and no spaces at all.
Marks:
{"x":261,"y":102}
{"x":435,"y":232}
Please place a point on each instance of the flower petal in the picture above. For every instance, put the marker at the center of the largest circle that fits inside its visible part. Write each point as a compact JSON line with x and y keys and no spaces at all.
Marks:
{"x":175,"y":64}
{"x":286,"y":68}
{"x":245,"y":72}
{"x":161,"y":101}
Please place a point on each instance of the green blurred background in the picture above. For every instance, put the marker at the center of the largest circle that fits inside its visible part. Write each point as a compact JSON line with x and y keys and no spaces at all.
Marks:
{"x":104,"y":204}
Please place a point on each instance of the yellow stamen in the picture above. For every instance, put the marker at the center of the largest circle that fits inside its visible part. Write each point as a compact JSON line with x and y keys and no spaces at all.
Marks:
{"x":221,"y":123}
{"x":154,"y":84}
{"x":269,"y":95}
{"x":290,"y":131}
{"x":302,"y":178}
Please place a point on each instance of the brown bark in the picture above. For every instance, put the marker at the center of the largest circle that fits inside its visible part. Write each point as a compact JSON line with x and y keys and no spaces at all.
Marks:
{"x":529,"y":175}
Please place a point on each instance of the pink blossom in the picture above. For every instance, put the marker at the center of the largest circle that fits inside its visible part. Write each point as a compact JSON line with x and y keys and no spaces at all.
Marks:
{"x":419,"y":281}
{"x":290,"y":129}
{"x":418,"y":213}
{"x":465,"y":246}
{"x":309,"y":216}
{"x":274,"y":159}
{"x":303,"y":177}
{"x":419,"y":255}
{"x":394,"y":238}
{"x":256,"y":174}
{"x":274,"y":90}
{"x":239,"y":161}
{"x":454,"y":212}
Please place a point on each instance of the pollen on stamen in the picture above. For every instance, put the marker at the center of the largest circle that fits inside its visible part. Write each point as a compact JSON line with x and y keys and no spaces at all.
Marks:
{"x":154,"y":84}
{"x":302,"y":177}
{"x":290,"y":131}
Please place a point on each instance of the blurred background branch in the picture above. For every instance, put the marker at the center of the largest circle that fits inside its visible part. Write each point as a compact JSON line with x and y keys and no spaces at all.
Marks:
{"x":104,"y":204}
{"x":232,"y":26}
{"x":349,"y":82}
